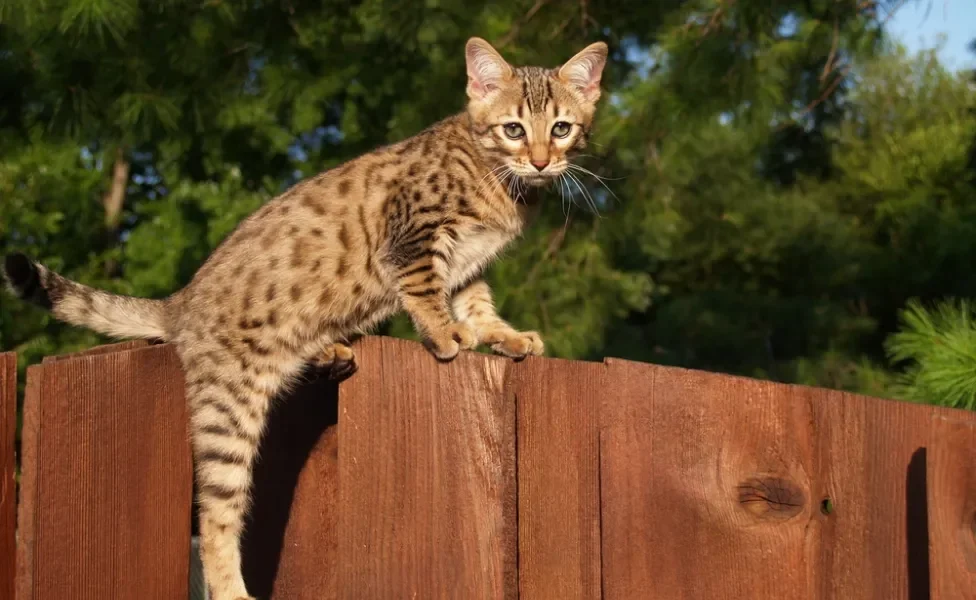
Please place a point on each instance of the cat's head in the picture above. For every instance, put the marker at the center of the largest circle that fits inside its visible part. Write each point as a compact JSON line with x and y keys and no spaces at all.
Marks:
{"x":531,"y":119}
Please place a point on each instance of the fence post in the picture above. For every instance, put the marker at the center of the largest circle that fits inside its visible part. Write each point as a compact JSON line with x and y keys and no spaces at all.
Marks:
{"x":426,"y":476}
{"x":107,"y":478}
{"x":289,"y":542}
{"x":951,"y":475}
{"x":706,"y":487}
{"x":558,"y":410}
{"x":8,"y":481}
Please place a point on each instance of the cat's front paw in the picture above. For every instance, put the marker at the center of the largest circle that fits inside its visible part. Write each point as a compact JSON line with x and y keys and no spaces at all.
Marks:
{"x":446,"y":342}
{"x":338,"y":362}
{"x":514,"y":344}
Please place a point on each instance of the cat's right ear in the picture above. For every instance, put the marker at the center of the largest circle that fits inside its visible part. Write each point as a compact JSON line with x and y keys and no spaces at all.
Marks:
{"x":487,"y":70}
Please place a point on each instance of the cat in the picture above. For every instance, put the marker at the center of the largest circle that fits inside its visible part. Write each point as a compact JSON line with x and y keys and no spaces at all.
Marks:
{"x":410,"y":226}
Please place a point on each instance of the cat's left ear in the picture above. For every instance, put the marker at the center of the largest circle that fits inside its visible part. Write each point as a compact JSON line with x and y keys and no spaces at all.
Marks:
{"x":583,"y":71}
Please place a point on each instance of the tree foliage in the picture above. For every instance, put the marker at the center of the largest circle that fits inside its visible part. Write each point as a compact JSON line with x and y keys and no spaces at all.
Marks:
{"x":939,"y":347}
{"x":774,"y":180}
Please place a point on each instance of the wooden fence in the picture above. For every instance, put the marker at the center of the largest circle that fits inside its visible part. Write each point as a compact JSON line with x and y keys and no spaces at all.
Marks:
{"x":485,"y":478}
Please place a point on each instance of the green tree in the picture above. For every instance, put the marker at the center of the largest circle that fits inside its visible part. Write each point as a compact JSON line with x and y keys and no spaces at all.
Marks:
{"x":772,"y":182}
{"x":938,"y":349}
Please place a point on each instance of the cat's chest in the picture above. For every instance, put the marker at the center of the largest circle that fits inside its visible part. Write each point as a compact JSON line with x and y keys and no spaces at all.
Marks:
{"x":473,"y":251}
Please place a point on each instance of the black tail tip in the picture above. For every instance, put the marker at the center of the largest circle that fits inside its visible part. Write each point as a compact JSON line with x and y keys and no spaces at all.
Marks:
{"x":19,"y":270}
{"x":25,"y":280}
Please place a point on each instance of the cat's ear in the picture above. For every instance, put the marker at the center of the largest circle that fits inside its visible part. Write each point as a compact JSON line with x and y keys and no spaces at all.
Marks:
{"x":583,"y":71}
{"x":487,"y":70}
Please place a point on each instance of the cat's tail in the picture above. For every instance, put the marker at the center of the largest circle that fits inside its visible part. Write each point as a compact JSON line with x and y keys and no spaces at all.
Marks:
{"x":77,"y":304}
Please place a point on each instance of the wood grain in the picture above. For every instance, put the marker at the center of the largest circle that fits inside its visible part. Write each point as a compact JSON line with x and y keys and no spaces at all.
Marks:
{"x":106,"y":349}
{"x":952,"y":508}
{"x":27,"y":513}
{"x":484,"y":478}
{"x":107,"y":479}
{"x":8,"y":481}
{"x":872,"y":456}
{"x":706,"y":487}
{"x":558,"y":411}
{"x":290,"y":545}
{"x":426,"y":477}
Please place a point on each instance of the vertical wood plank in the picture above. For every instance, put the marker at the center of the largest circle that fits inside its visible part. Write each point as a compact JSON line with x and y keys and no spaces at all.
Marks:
{"x":289,"y":544}
{"x":8,"y":481}
{"x":706,"y":487}
{"x":558,"y":411}
{"x":26,"y":505}
{"x":426,"y":477}
{"x":952,"y":508}
{"x":107,"y":478}
{"x":872,"y":460}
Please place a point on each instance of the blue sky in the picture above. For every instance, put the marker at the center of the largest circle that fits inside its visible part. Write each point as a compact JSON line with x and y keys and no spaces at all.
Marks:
{"x":917,"y":23}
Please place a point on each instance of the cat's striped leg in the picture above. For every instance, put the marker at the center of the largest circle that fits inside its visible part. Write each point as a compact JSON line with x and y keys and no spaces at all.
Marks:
{"x":474,"y":305}
{"x":228,"y":409}
{"x":422,"y":291}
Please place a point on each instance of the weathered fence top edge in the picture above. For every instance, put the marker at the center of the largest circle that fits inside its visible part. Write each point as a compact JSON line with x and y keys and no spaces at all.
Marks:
{"x":623,"y":365}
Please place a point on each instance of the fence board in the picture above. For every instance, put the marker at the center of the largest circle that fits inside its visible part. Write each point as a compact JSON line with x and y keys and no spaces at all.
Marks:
{"x":705,"y":487}
{"x":426,"y":477}
{"x":8,"y":481}
{"x":865,"y":449}
{"x":558,"y":410}
{"x":27,"y":514}
{"x":289,"y":544}
{"x":105,"y":349}
{"x":107,"y":478}
{"x":952,"y":508}
{"x":872,"y":456}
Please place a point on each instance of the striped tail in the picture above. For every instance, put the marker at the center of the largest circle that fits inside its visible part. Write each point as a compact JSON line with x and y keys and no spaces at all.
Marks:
{"x":77,"y":304}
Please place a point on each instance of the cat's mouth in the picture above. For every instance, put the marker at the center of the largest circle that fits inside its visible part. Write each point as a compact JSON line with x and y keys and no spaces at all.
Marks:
{"x":537,"y":180}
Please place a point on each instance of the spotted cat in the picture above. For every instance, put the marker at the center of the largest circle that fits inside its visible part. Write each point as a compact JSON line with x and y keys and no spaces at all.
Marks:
{"x":410,"y":226}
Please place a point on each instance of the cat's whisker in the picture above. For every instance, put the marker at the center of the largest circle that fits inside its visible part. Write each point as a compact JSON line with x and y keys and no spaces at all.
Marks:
{"x":586,"y":194}
{"x":563,"y":191}
{"x":504,"y":178}
{"x":489,"y":177}
{"x":592,"y":174}
{"x":595,"y":176}
{"x":576,"y":183}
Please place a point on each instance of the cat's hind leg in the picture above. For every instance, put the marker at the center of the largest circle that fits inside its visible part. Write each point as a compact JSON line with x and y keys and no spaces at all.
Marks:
{"x":228,"y":398}
{"x":337,"y":361}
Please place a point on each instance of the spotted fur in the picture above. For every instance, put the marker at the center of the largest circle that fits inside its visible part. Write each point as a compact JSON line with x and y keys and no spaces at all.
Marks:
{"x":410,"y":226}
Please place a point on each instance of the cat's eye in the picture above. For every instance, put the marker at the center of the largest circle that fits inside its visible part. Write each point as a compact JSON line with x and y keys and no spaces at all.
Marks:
{"x":514,"y":130}
{"x":561,"y":129}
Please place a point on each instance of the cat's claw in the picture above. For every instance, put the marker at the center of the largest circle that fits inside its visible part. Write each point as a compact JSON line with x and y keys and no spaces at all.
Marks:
{"x":338,"y":362}
{"x":447,"y":342}
{"x":514,"y":344}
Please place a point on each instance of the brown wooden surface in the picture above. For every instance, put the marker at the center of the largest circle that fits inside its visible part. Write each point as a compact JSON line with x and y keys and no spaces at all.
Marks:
{"x":426,"y":477}
{"x":290,"y":541}
{"x":558,"y":408}
{"x":8,"y":482}
{"x":630,"y":481}
{"x":688,"y":457}
{"x":871,"y":455}
{"x":27,"y":514}
{"x":705,"y":487}
{"x":952,"y":508}
{"x":106,"y":349}
{"x":107,"y":479}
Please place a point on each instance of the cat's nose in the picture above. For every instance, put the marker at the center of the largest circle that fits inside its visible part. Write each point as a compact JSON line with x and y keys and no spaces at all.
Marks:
{"x":540,"y":164}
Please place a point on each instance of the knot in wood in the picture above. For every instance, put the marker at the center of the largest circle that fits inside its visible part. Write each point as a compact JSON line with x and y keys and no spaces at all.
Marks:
{"x":771,"y":497}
